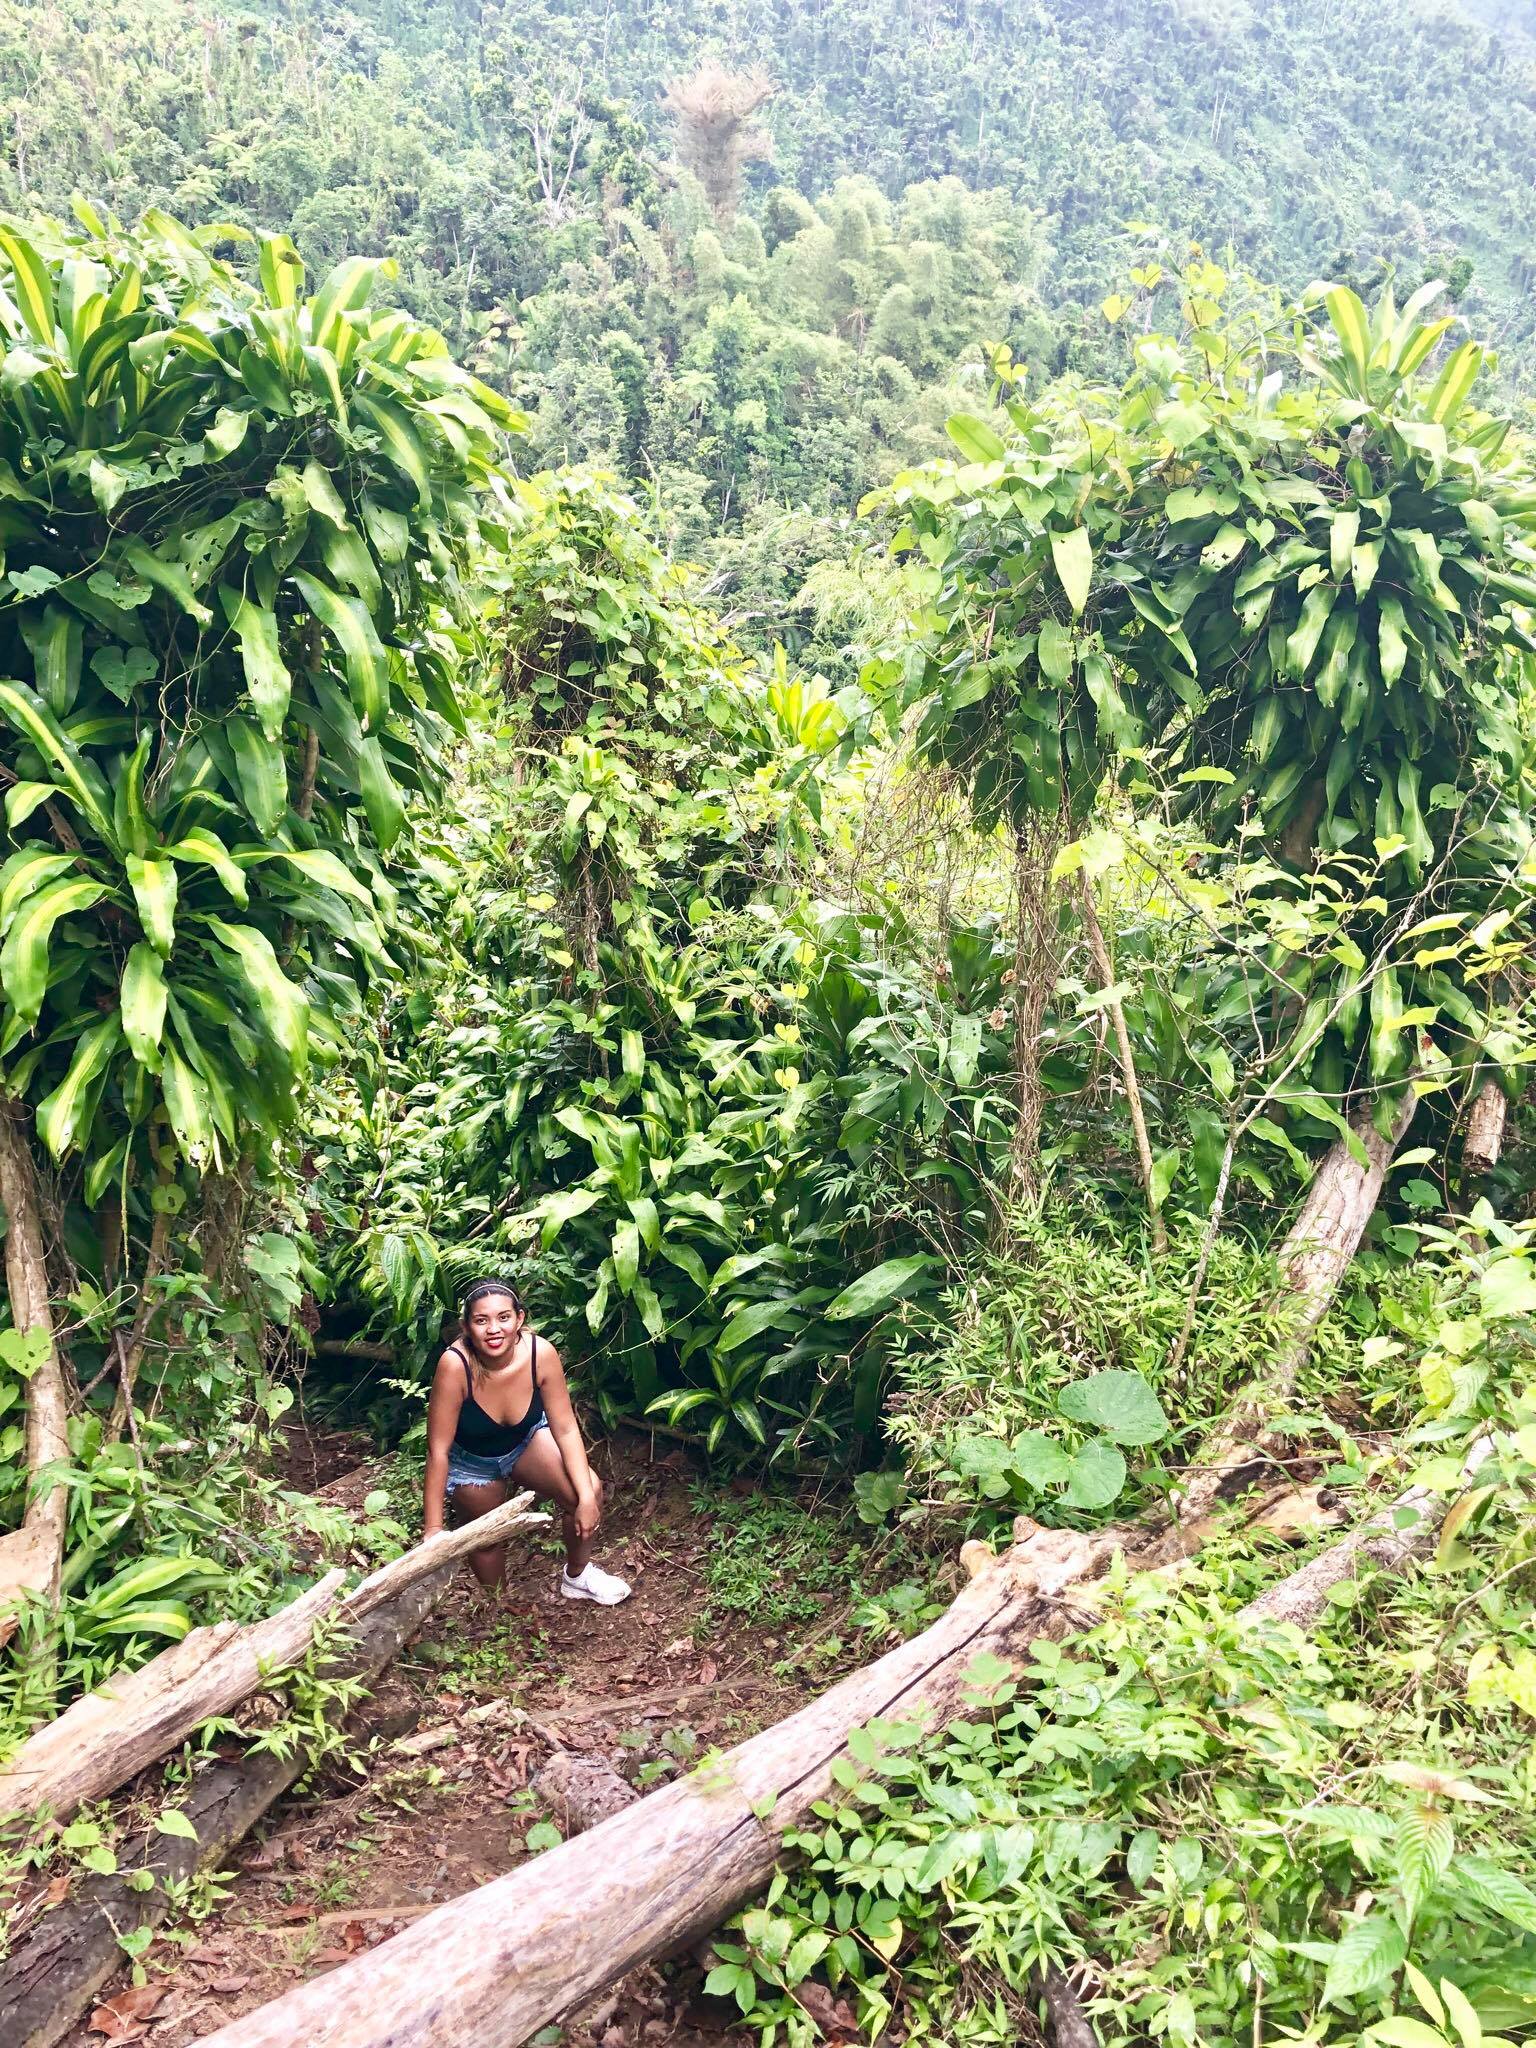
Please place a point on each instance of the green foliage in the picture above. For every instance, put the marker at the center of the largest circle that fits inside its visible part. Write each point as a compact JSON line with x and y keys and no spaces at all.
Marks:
{"x":1230,"y":1826}
{"x":234,"y":528}
{"x":1051,"y":1382}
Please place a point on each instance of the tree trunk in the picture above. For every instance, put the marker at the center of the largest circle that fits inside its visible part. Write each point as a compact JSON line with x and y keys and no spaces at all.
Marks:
{"x":107,"y":1737}
{"x":31,"y":1556}
{"x":51,"y":1977}
{"x":1104,"y":967}
{"x":1380,"y":1539}
{"x":1034,"y":976}
{"x":498,"y":1964}
{"x":1485,"y":1130}
{"x":1314,"y":1258}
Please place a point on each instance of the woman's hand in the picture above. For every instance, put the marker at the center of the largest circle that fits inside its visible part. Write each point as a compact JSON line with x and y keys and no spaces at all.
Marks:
{"x":589,"y":1509}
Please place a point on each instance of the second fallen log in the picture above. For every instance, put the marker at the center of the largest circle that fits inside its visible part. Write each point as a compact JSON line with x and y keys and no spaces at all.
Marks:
{"x":110,"y":1735}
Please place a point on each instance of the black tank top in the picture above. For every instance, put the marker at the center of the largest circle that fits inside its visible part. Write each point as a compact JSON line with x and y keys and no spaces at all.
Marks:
{"x":481,"y":1434}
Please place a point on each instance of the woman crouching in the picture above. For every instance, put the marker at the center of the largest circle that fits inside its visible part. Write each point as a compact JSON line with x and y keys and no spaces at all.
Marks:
{"x":500,"y":1420}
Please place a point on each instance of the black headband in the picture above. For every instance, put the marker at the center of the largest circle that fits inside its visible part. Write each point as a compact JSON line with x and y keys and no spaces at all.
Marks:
{"x":483,"y":1287}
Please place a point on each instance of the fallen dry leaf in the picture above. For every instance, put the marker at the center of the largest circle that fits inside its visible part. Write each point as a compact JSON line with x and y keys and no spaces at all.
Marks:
{"x":833,"y":2016}
{"x":677,"y":1649}
{"x":331,"y":1955}
{"x":227,"y":1984}
{"x":125,"y":2017}
{"x":708,"y":1671}
{"x":58,"y":1888}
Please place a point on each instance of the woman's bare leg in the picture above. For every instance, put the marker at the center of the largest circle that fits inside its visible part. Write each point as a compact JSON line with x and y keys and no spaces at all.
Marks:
{"x":542,"y":1467}
{"x":468,"y":1504}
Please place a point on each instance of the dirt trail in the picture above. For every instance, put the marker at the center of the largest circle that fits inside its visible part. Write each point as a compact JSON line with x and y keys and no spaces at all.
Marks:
{"x":372,"y":1844}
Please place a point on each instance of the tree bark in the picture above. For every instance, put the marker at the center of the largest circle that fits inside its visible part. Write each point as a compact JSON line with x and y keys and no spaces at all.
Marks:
{"x":31,"y":1557}
{"x":53,"y":1974}
{"x":107,"y":1737}
{"x":1034,"y":976}
{"x":1314,"y":1258}
{"x":500,"y":1963}
{"x":1485,"y":1130}
{"x":1104,"y":966}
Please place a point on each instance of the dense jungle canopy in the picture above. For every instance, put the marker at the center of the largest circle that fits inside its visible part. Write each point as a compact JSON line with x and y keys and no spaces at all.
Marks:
{"x":856,"y":690}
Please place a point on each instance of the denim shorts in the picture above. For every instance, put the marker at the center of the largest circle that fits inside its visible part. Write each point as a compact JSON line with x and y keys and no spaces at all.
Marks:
{"x":465,"y":1469}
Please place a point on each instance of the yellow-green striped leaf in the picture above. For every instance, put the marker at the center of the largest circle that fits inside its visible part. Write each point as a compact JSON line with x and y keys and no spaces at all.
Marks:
{"x":82,"y":781}
{"x":31,"y":284}
{"x":24,"y":956}
{"x":24,"y":874}
{"x":64,"y":1117}
{"x":56,"y":640}
{"x":381,"y":796}
{"x":153,"y":883}
{"x":187,"y":1106}
{"x":202,"y":846}
{"x":282,"y":270}
{"x":141,"y":1002}
{"x":1449,"y":390}
{"x":1348,"y":318}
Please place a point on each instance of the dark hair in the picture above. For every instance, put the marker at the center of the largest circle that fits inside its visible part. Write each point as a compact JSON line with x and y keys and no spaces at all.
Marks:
{"x":480,"y":1288}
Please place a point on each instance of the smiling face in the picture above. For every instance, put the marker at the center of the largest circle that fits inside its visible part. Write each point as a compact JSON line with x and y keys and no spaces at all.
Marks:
{"x":494,"y":1324}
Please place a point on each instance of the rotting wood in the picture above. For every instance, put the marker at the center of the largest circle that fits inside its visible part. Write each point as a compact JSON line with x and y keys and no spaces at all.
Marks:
{"x":108,"y":1736}
{"x":501,"y":1962}
{"x":1384,"y":1539}
{"x":32,"y":1556}
{"x":1314,"y":1258}
{"x":52,"y":1975}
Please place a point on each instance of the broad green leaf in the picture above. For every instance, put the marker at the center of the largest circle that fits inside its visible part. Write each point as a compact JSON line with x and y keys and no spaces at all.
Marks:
{"x":976,"y":441}
{"x":56,"y":640}
{"x":142,"y":1004}
{"x":266,"y":676}
{"x":24,"y":956}
{"x":1054,"y":650}
{"x":1508,"y":1287}
{"x":1072,"y":552}
{"x":1392,"y":640}
{"x":187,"y":1105}
{"x":169,"y":576}
{"x":283,"y":1010}
{"x":381,"y":798}
{"x":555,"y":1211}
{"x":282,"y":271}
{"x":751,"y":1322}
{"x":1366,"y":1957}
{"x":878,"y":1288}
{"x":1097,"y":1475}
{"x":626,"y":1255}
{"x":30,"y":284}
{"x":347,"y":620}
{"x":1342,"y":535}
{"x":1119,"y":1403}
{"x":262,"y":769}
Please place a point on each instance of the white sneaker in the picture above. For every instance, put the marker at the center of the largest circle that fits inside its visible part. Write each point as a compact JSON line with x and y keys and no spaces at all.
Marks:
{"x":592,"y":1583}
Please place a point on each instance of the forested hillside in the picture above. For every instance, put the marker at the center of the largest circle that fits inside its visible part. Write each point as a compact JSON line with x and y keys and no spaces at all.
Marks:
{"x":519,"y":165}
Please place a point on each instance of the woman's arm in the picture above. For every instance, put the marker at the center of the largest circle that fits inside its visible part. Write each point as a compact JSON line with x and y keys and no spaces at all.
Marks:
{"x":567,"y":1434}
{"x":443,"y":1405}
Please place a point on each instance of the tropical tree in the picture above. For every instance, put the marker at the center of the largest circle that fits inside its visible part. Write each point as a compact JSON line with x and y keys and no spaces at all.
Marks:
{"x":236,"y":519}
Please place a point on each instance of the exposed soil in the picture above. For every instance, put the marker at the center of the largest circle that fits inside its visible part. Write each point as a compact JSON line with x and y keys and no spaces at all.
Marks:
{"x":384,"y":1834}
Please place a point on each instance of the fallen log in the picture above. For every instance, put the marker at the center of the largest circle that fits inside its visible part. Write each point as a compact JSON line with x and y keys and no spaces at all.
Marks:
{"x":52,"y":1975}
{"x":1406,"y":1528}
{"x":501,"y":1962}
{"x":107,"y":1737}
{"x":1314,"y":1258}
{"x":31,"y":1557}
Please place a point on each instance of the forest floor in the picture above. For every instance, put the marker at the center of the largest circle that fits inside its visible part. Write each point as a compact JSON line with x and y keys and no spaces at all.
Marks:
{"x":381,"y":1835}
